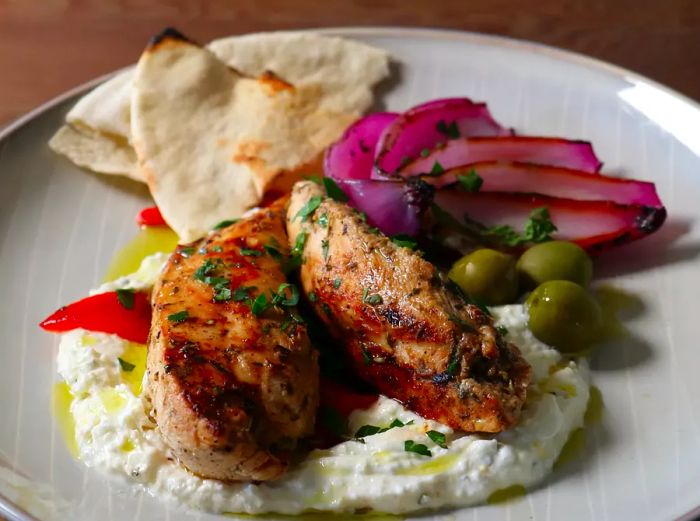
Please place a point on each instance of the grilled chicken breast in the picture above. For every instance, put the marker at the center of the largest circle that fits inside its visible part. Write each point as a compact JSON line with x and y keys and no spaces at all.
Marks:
{"x":231,"y":372}
{"x":407,"y":331}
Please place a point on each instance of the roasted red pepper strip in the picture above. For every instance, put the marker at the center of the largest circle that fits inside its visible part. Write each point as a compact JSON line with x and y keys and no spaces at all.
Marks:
{"x":150,"y":216}
{"x":105,"y":314}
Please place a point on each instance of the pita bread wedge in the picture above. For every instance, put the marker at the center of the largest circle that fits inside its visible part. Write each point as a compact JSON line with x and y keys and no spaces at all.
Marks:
{"x":97,"y":131}
{"x":209,"y":141}
{"x":96,"y":151}
{"x":344,"y":70}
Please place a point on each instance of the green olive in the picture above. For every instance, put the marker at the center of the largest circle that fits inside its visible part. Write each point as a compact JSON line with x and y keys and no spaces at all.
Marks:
{"x":564,"y":315}
{"x":554,"y":260}
{"x":487,"y":275}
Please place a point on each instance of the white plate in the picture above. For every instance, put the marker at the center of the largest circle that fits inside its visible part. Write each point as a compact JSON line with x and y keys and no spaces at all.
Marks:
{"x":59,"y":227}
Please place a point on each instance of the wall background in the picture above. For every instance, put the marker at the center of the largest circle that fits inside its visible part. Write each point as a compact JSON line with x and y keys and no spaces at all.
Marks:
{"x":48,"y":46}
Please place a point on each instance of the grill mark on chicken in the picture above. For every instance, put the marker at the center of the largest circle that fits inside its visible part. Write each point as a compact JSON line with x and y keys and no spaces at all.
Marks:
{"x":405,"y":329}
{"x":232,"y":391}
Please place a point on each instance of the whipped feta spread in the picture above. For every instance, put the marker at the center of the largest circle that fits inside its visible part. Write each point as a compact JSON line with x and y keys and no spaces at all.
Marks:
{"x":115,"y":434}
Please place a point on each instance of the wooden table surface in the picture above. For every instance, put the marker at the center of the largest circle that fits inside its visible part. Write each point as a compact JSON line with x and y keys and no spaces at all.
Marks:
{"x":48,"y":46}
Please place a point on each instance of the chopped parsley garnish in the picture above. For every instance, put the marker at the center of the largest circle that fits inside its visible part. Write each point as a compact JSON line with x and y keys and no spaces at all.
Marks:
{"x":241,"y":293}
{"x":249,"y":252}
{"x":404,"y":241}
{"x":538,"y":228}
{"x":309,"y":208}
{"x":222,"y":292}
{"x":437,"y":437}
{"x":178,"y":317}
{"x":437,"y":169}
{"x":502,"y":330}
{"x":324,"y":248}
{"x":299,"y":244}
{"x":373,"y":300}
{"x":471,"y":182}
{"x":425,"y":152}
{"x":205,"y":269}
{"x":281,"y":299}
{"x":187,"y":252}
{"x":224,"y":224}
{"x":315,"y":178}
{"x":313,"y":297}
{"x":217,"y":249}
{"x":450,"y":130}
{"x":337,"y":282}
{"x":418,"y":448}
{"x":453,"y":364}
{"x":126,"y":366}
{"x":326,"y":309}
{"x":323,"y":220}
{"x":260,"y":305}
{"x":296,"y":255}
{"x":333,"y":420}
{"x":369,"y":430}
{"x":291,"y":320}
{"x":273,"y":252}
{"x":334,"y":191}
{"x":126,"y":298}
{"x":220,"y":285}
{"x":366,"y":356}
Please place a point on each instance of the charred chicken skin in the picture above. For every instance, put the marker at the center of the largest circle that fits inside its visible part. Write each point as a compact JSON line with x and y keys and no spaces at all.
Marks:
{"x":231,"y":372}
{"x":406,"y":329}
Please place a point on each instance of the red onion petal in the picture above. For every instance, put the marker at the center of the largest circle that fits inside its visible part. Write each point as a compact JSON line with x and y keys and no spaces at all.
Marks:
{"x":553,"y":181}
{"x":594,"y":225}
{"x":385,"y":204}
{"x":577,"y":155}
{"x":352,"y":156}
{"x":417,"y":129}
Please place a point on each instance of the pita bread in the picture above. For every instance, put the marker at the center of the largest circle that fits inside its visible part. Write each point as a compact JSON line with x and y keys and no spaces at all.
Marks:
{"x":96,"y":135}
{"x":209,"y":140}
{"x":97,"y":130}
{"x":96,"y":151}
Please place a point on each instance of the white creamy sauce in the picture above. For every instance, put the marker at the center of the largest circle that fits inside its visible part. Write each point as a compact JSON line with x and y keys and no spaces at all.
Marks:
{"x":114,"y":433}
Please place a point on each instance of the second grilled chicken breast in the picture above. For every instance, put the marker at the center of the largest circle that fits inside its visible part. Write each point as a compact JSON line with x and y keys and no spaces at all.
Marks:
{"x":231,"y":372}
{"x":406,"y":330}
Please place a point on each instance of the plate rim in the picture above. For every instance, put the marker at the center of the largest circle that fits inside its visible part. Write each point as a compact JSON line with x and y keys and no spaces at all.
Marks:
{"x":413,"y":32}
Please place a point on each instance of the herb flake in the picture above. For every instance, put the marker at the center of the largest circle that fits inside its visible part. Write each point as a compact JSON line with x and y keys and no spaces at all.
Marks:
{"x":404,"y":241}
{"x":179,"y":317}
{"x":127,"y":367}
{"x":437,"y":168}
{"x":334,"y":191}
{"x":451,"y":130}
{"x":260,"y":305}
{"x":471,"y":182}
{"x":224,"y":224}
{"x":309,"y":208}
{"x":538,"y":228}
{"x":437,"y":437}
{"x":126,"y":298}
{"x":373,"y":300}
{"x":249,"y":252}
{"x":418,"y":448}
